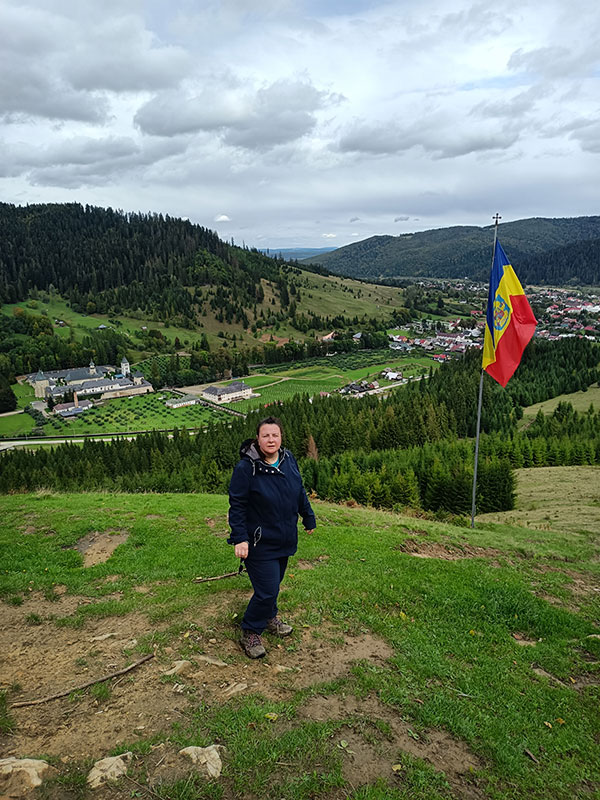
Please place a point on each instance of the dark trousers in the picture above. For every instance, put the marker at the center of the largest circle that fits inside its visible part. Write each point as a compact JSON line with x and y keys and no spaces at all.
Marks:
{"x":265,"y":577}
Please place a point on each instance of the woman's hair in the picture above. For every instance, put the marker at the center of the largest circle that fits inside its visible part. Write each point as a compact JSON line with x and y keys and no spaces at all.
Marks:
{"x":269,"y":421}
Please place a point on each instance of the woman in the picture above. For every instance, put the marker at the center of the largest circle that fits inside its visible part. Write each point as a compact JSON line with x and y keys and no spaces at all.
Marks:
{"x":266,"y":496}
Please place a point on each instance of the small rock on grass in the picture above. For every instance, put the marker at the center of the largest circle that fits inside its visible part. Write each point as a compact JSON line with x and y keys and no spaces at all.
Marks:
{"x":207,"y":758}
{"x":108,"y":769}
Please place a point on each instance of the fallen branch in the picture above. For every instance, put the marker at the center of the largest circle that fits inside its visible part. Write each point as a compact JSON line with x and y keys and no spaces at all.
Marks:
{"x":238,"y":571}
{"x":531,"y":756}
{"x":83,"y":686}
{"x":216,"y":578}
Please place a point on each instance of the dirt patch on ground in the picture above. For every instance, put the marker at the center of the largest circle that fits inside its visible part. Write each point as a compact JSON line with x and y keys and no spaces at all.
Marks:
{"x":97,"y":547}
{"x":370,"y":754}
{"x":427,"y":549}
{"x":41,"y":659}
{"x":279,"y":340}
{"x":218,"y":526}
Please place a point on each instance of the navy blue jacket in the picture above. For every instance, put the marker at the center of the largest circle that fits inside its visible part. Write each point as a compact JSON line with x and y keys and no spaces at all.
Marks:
{"x":264,"y":504}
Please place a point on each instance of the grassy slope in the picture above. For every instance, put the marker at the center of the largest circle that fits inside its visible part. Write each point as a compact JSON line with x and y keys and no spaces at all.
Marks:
{"x":455,"y":666}
{"x":579,"y":400}
{"x":326,"y":295}
{"x":550,"y":498}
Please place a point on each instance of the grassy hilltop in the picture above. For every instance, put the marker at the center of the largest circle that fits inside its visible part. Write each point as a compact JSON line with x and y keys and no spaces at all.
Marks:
{"x":428,"y":661}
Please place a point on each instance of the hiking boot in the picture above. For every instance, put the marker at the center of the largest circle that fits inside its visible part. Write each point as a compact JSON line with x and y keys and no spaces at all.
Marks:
{"x":251,"y":644}
{"x":278,"y":628}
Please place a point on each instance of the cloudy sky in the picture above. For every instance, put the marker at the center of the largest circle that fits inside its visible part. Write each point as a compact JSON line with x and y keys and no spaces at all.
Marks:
{"x":314,"y":123}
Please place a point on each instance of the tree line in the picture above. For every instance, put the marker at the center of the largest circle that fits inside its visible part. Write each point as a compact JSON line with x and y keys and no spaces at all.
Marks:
{"x":407,"y":449}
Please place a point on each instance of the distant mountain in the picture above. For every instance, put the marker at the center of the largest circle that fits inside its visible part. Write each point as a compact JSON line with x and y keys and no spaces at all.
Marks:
{"x":533,"y":245}
{"x":296,"y":253}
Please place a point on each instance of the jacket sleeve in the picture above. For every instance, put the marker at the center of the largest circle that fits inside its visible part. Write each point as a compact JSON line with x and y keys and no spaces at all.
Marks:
{"x":239,"y":495}
{"x":304,"y":507}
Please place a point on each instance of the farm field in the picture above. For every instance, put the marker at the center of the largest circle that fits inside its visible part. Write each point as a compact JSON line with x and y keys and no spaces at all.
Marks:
{"x":324,"y":376}
{"x":123,"y":414}
{"x":148,"y":412}
{"x":428,"y":661}
{"x":282,"y":389}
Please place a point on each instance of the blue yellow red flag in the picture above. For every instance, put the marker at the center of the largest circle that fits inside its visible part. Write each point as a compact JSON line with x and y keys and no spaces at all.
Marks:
{"x":509,"y":322}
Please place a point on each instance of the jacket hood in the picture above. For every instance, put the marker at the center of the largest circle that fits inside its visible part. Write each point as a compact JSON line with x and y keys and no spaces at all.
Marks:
{"x":249,"y":449}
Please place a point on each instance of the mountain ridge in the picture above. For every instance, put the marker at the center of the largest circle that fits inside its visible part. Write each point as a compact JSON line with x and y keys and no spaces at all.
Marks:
{"x":465,"y":251}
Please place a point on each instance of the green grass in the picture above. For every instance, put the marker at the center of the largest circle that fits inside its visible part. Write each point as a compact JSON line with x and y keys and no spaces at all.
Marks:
{"x":7,"y":723}
{"x":331,"y":295}
{"x":455,"y":664}
{"x":24,"y":393}
{"x":16,"y":425}
{"x":557,"y":499}
{"x":579,"y":400}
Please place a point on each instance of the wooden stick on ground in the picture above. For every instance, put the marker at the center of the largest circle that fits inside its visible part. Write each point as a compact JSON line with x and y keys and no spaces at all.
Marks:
{"x":217,"y":578}
{"x":83,"y":686}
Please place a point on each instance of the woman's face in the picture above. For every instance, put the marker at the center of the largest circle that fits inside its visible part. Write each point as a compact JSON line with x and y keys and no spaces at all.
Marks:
{"x":269,"y":439}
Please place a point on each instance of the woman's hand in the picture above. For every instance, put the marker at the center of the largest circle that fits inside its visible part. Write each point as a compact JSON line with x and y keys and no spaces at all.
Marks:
{"x":241,"y":550}
{"x":312,"y":530}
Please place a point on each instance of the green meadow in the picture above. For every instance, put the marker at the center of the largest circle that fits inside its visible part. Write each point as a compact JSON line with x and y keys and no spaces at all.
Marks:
{"x":580,"y":401}
{"x":427,"y":661}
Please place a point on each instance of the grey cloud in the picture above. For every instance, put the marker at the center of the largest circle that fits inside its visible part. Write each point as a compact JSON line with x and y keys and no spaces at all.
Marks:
{"x":29,"y":88}
{"x":513,"y":108}
{"x":276,"y":114}
{"x":556,"y":62}
{"x":84,"y":161}
{"x":119,"y":54}
{"x":403,"y":218}
{"x":173,"y":113}
{"x":588,"y":137}
{"x":474,"y":21}
{"x":354,"y":219}
{"x":440,"y":140}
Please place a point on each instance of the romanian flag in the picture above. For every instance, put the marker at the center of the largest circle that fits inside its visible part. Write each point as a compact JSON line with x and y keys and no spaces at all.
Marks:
{"x":510,"y":322}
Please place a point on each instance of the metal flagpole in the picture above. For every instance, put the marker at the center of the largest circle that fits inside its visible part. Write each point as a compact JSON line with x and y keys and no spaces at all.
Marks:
{"x":497,"y":219}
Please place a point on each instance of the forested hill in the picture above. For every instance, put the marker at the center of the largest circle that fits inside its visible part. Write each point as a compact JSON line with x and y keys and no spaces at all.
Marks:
{"x":533,"y":246}
{"x":116,"y":260}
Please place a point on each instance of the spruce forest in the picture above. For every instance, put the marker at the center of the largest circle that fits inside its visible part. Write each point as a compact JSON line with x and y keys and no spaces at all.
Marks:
{"x":412,"y":449}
